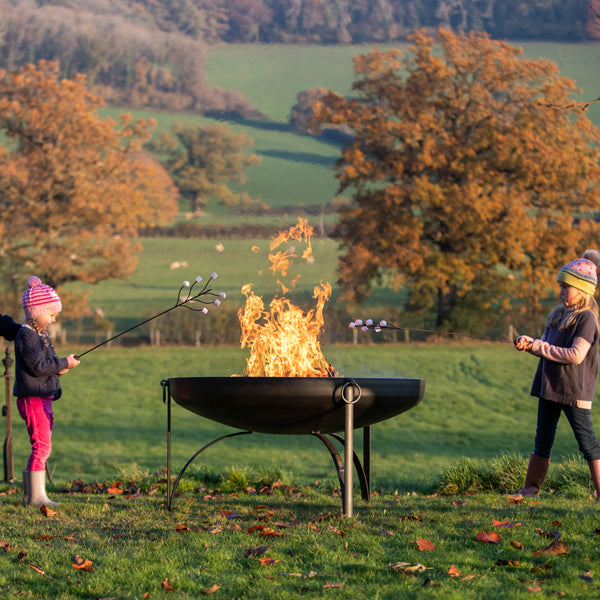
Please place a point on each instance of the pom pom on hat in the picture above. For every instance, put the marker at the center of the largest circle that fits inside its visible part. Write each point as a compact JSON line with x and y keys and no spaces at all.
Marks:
{"x":39,"y":299}
{"x":581,"y":274}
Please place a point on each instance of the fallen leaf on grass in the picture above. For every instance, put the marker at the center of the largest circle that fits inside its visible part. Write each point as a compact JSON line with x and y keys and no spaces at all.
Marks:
{"x":81,"y":564}
{"x":267,"y":515}
{"x":5,"y":546}
{"x":505,"y":524}
{"x":489,"y":537}
{"x":212,"y":589}
{"x":505,"y":562}
{"x":268,"y":561}
{"x":115,"y":489}
{"x":385,"y":533}
{"x":256,"y":551}
{"x":556,"y":547}
{"x":336,"y":530}
{"x":320,"y":517}
{"x":48,"y":512}
{"x":37,"y":569}
{"x":405,"y":567}
{"x":454,"y":572}
{"x":468,"y":578}
{"x":215,"y":529}
{"x":292,"y":523}
{"x":333,"y":585}
{"x":425,"y":545}
{"x":534,"y":589}
{"x":542,"y":568}
{"x":550,"y":534}
{"x":166,"y":585}
{"x":517,"y":545}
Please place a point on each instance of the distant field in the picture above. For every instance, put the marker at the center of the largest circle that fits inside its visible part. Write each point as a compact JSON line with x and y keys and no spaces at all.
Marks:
{"x":154,"y":285}
{"x":271,"y":76}
{"x":298,"y":170}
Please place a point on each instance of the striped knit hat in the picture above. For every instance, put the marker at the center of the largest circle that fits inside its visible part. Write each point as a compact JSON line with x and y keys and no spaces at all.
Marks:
{"x":580,"y":273}
{"x":39,"y":299}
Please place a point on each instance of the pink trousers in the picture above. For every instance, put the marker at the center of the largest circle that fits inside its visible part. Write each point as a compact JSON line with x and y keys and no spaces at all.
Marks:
{"x":37,"y":413}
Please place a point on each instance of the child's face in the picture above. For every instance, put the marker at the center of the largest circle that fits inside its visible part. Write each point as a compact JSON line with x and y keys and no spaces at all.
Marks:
{"x":569,"y":295}
{"x":45,"y":320}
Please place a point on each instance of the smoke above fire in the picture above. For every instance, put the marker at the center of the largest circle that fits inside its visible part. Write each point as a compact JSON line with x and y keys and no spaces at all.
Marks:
{"x":283,"y":338}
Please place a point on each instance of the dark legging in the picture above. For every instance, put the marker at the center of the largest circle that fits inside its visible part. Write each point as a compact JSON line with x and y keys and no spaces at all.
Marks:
{"x":580,"y":420}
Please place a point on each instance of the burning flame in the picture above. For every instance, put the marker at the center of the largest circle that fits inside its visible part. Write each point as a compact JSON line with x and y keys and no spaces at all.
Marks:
{"x":283,"y":340}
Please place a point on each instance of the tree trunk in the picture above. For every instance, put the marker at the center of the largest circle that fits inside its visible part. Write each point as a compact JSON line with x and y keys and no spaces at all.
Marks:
{"x":446,"y":302}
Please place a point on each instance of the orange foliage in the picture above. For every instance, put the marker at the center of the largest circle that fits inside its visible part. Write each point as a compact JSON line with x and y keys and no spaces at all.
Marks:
{"x":73,"y":188}
{"x":467,"y":187}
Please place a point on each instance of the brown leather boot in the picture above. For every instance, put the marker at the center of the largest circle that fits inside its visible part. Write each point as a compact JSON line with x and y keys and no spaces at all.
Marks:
{"x":536,"y":475}
{"x":594,"y":466}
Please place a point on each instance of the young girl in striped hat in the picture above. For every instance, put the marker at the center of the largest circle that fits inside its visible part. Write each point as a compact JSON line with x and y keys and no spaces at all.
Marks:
{"x":567,"y":372}
{"x":37,"y":368}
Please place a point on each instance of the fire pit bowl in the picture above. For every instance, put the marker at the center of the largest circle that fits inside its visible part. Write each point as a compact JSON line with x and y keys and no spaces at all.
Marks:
{"x":318,"y":406}
{"x":294,"y":405}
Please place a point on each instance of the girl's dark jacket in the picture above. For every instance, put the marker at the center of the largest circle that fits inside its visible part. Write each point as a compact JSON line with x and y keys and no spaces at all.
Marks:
{"x":36,"y":365}
{"x":8,"y":328}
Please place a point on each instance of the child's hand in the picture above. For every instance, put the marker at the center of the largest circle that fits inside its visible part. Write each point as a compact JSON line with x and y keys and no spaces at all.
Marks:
{"x":523,"y":343}
{"x":72,"y":361}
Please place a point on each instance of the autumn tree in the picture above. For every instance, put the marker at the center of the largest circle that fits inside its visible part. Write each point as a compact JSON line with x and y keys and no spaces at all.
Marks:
{"x":74,"y":188}
{"x":467,"y":188}
{"x":204,"y":160}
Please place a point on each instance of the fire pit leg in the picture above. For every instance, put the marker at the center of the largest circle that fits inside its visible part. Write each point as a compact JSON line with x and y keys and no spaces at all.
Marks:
{"x":171,"y":496}
{"x":367,"y":458}
{"x":171,"y":493}
{"x":337,"y":463}
{"x":361,"y":469}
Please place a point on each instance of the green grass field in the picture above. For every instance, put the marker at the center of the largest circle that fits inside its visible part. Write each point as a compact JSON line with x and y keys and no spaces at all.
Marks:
{"x":110,"y":428}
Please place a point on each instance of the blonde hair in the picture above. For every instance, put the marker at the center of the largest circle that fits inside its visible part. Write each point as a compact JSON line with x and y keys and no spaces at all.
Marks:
{"x":563,"y":317}
{"x":32,"y":322}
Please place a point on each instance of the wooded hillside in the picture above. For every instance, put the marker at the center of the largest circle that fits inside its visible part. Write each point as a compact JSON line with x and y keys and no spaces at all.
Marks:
{"x":152,"y":52}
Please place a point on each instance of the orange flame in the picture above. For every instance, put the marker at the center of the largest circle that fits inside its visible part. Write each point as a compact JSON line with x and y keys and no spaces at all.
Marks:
{"x":283,"y":340}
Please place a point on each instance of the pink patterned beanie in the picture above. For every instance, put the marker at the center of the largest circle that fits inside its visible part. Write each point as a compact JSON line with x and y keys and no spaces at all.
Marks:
{"x":39,"y":299}
{"x":580,"y":273}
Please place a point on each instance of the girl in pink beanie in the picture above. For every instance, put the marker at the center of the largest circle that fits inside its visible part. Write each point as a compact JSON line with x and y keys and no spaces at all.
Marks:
{"x":37,"y":369}
{"x":567,"y":372}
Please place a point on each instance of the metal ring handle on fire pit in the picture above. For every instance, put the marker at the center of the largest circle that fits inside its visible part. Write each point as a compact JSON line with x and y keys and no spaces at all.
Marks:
{"x":356,"y":396}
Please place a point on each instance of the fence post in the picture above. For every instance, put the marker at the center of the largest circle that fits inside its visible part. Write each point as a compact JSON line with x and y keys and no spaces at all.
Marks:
{"x":9,"y":473}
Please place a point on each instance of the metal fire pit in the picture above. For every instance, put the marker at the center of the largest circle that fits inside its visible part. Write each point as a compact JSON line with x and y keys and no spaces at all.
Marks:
{"x":318,"y":406}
